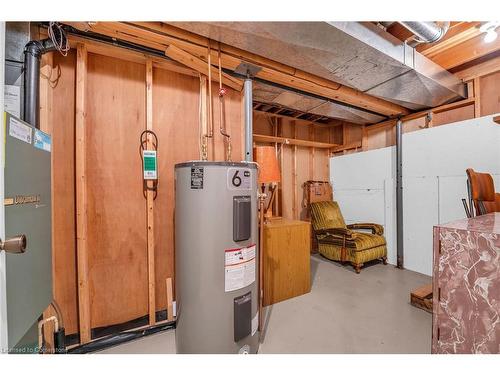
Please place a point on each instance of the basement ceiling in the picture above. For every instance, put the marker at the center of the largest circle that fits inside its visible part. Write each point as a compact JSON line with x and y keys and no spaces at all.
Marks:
{"x":359,"y":55}
{"x":303,"y":105}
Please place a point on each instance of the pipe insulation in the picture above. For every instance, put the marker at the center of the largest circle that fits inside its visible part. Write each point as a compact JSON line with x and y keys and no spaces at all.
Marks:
{"x":426,"y":32}
{"x":33,"y":52}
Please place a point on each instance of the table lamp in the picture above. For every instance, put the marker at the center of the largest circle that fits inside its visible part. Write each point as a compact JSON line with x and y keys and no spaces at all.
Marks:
{"x":269,"y":174}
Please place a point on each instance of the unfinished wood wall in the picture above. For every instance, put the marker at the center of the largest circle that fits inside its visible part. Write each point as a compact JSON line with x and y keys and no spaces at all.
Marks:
{"x":116,"y":215}
{"x":114,"y":117}
{"x":57,"y":117}
{"x":298,"y":163}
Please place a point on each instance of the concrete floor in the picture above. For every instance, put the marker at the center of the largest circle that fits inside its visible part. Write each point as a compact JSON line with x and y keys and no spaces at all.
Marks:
{"x":344,"y":313}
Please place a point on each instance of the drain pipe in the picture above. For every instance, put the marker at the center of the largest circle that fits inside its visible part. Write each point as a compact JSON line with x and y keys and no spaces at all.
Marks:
{"x":426,"y":32}
{"x":33,"y":52}
{"x":248,"y":100}
{"x":399,"y":193}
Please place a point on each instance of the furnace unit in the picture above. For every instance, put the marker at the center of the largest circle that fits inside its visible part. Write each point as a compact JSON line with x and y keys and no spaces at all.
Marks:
{"x":216,"y":252}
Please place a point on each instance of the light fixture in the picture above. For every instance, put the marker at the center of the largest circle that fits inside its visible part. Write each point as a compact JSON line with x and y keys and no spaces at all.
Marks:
{"x":489,"y":29}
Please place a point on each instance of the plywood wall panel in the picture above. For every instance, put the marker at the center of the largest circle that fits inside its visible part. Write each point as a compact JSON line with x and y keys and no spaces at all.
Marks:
{"x":455,"y":115}
{"x":116,"y":206}
{"x":61,"y":126}
{"x":176,"y":123}
{"x":490,"y":94}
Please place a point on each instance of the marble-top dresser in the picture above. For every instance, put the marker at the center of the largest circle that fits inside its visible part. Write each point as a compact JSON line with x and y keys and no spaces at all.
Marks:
{"x":466,"y":286}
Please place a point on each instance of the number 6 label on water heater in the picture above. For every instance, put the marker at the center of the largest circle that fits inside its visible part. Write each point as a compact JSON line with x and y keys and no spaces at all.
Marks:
{"x":239,"y":179}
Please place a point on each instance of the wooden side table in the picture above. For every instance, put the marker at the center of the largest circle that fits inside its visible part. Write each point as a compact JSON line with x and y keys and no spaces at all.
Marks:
{"x":286,"y":261}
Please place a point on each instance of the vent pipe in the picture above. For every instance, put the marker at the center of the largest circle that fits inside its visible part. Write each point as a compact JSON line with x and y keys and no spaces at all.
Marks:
{"x":33,"y":52}
{"x":426,"y":32}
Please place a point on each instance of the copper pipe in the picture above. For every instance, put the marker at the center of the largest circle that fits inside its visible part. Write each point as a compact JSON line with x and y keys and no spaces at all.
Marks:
{"x":222,"y":118}
{"x":210,"y":109}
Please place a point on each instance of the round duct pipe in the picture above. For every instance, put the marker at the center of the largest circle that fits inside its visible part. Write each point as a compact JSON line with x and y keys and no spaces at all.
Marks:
{"x":426,"y":32}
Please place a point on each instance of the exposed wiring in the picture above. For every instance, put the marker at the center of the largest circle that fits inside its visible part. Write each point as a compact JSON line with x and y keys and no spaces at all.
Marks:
{"x":58,"y":36}
{"x":52,"y":81}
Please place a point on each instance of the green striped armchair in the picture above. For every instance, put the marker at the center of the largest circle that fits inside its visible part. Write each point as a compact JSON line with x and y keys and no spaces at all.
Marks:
{"x":340,"y":242}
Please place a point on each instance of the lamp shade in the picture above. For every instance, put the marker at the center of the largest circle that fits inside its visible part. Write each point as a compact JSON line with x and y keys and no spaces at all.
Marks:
{"x":269,"y":170}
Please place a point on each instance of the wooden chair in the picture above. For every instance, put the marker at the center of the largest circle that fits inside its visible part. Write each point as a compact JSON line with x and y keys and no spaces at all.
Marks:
{"x":483,"y":192}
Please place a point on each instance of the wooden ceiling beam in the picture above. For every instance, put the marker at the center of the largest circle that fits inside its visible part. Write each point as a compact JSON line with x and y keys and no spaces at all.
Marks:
{"x":160,"y":36}
{"x":201,"y":66}
{"x":467,"y":51}
{"x":479,"y":70}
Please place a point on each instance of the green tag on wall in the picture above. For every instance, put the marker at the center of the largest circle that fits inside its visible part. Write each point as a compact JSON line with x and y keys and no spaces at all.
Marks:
{"x":149,"y":165}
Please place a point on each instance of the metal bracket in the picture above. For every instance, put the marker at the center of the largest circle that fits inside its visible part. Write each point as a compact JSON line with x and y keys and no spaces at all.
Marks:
{"x":247,"y":69}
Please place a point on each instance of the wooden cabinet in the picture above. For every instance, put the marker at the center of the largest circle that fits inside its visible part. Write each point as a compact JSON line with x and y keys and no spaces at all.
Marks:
{"x":286,"y":260}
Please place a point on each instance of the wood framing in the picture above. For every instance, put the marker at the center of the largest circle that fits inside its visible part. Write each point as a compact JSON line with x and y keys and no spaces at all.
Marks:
{"x":170,"y":304}
{"x":292,"y":141}
{"x":161,"y":36}
{"x":201,"y":66}
{"x":150,"y":199}
{"x":465,"y":52}
{"x":81,"y":195}
{"x":295,"y":207}
{"x":477,"y":101}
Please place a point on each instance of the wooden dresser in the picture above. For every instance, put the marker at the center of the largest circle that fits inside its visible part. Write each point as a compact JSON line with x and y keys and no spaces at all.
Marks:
{"x":286,"y":260}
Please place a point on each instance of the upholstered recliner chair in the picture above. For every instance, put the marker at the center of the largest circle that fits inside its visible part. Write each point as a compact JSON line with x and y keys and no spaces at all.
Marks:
{"x":341,"y":242}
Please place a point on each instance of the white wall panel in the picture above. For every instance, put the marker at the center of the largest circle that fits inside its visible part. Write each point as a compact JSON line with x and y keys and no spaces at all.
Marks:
{"x":420,"y":214}
{"x":434,"y":163}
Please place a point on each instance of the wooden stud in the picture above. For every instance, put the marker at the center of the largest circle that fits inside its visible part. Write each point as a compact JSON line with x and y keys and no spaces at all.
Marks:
{"x":170,"y":304}
{"x":364,"y":138}
{"x":294,"y":172}
{"x":46,"y":126}
{"x":280,"y":185}
{"x":477,"y":97}
{"x":150,"y":200}
{"x":81,"y":195}
{"x":311,"y":152}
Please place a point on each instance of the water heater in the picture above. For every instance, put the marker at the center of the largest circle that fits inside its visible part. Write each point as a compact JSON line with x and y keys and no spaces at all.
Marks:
{"x":216,"y":257}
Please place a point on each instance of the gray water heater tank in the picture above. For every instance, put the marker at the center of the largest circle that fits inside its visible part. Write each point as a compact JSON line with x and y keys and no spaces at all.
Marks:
{"x":216,"y":257}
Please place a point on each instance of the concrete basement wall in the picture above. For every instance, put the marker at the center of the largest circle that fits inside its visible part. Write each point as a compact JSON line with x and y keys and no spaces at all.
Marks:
{"x":434,"y":181}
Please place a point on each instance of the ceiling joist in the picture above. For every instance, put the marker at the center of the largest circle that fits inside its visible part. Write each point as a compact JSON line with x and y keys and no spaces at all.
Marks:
{"x":160,"y":36}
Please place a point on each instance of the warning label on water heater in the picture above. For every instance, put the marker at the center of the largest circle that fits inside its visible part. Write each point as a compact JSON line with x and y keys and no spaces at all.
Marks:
{"x":239,"y":268}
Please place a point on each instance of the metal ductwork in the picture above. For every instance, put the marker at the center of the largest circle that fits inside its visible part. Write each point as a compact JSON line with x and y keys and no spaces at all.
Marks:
{"x":426,"y":32}
{"x":32,"y":54}
{"x":280,"y":97}
{"x":357,"y":54}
